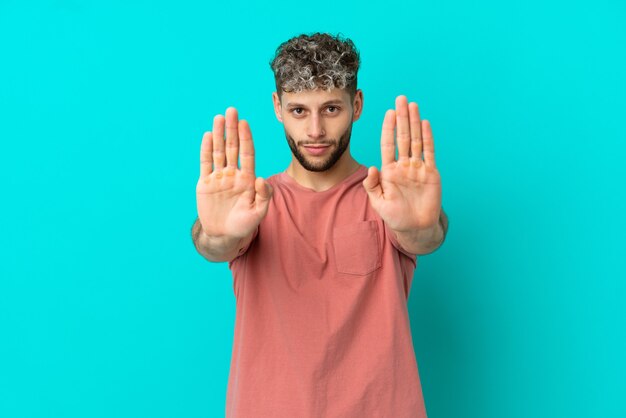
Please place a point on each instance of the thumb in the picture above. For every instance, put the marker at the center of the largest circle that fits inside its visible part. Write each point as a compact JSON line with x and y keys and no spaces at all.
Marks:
{"x":372,"y":183}
{"x":263,"y":193}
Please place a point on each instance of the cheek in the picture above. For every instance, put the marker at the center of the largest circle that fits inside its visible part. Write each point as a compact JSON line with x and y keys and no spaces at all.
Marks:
{"x":341,"y":127}
{"x":293,"y":128}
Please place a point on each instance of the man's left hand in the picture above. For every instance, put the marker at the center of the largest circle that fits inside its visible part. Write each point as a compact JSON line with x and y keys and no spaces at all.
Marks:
{"x":406,"y":192}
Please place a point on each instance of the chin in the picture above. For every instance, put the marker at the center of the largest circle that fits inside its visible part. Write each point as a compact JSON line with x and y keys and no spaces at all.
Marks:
{"x":318,"y":166}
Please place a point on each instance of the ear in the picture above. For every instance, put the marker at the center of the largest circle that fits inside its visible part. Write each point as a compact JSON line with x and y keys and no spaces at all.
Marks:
{"x":277,"y":106}
{"x":357,"y":105}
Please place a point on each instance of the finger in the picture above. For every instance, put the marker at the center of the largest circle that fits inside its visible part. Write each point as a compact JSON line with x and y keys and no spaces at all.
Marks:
{"x":403,"y":128}
{"x":218,"y":142}
{"x":246,"y":155}
{"x":416,"y":133}
{"x":429,"y":144}
{"x":232,"y":137}
{"x":263,"y":196}
{"x":387,"y":147}
{"x":206,"y":154}
{"x":372,"y":183}
{"x":263,"y":193}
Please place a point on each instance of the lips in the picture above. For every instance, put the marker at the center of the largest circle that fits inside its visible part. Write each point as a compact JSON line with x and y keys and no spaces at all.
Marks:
{"x":316,"y":149}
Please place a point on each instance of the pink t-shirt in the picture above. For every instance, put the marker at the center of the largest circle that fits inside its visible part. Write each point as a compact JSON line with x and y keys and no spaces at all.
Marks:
{"x":322,"y":328}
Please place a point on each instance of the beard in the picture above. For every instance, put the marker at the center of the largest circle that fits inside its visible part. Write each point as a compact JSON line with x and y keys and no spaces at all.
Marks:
{"x":340,"y":147}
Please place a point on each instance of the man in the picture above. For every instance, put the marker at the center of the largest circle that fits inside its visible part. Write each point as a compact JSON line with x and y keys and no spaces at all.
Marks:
{"x":322,"y":254}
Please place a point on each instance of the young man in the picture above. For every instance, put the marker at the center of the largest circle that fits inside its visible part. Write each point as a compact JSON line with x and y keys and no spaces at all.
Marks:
{"x":322,"y":254}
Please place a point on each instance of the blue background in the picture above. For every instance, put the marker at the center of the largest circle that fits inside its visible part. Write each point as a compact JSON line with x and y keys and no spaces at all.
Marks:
{"x":106,"y":310}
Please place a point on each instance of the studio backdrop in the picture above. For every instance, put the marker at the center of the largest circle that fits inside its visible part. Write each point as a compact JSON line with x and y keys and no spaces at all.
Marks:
{"x":107,"y":310}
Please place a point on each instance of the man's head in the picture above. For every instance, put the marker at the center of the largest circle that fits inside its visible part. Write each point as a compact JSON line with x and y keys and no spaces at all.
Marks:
{"x":316,"y":97}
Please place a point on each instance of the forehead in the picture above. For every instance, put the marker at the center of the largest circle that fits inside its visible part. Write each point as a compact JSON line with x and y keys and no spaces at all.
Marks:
{"x":316,"y":98}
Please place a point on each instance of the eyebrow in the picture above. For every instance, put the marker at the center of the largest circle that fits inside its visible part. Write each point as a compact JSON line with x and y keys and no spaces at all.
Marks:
{"x":329,"y":102}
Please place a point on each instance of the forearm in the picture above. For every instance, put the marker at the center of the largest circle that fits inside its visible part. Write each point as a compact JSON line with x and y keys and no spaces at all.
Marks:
{"x":424,"y":241}
{"x":214,"y":248}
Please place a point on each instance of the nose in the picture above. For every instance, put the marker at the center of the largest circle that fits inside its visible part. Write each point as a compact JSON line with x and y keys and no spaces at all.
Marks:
{"x":315,"y":129}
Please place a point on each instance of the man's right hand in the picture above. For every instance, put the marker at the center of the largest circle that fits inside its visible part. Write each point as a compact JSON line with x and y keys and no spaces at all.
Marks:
{"x":231,"y":200}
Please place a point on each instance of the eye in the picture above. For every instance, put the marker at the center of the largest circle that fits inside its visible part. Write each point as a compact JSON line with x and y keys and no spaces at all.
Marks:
{"x":333,"y":109}
{"x":297,"y":110}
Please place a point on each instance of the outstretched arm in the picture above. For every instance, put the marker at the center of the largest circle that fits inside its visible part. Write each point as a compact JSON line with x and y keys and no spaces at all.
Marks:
{"x":406,"y":192}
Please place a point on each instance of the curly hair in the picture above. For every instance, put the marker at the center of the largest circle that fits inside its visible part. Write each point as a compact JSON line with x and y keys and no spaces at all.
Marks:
{"x":320,"y":60}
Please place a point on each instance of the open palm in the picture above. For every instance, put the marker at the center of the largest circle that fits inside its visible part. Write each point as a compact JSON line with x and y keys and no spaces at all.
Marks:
{"x":231,"y":201}
{"x":406,"y":192}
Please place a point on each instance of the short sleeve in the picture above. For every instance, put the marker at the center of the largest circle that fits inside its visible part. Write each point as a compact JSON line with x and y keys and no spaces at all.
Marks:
{"x":394,"y":241}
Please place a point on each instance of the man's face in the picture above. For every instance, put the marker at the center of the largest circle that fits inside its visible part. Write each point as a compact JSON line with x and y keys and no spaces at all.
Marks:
{"x":318,"y":125}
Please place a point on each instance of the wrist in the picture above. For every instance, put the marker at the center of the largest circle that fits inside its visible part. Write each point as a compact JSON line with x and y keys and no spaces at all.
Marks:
{"x":424,"y":240}
{"x":420,"y":236}
{"x":221,"y":240}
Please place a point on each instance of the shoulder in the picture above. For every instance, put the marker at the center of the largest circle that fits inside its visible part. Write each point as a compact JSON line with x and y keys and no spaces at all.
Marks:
{"x":275,"y":179}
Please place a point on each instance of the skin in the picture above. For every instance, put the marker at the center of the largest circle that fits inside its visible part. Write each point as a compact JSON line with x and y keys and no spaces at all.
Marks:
{"x":406,"y":192}
{"x":319,"y":116}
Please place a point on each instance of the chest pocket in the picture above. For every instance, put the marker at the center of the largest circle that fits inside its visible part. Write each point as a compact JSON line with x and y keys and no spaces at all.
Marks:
{"x":356,"y":247}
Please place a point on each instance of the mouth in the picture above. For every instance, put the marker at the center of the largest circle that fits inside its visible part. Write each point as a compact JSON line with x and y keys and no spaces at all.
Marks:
{"x":316,"y":149}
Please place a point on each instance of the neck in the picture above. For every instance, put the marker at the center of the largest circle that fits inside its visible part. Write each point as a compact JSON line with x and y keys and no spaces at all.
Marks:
{"x":323,"y":180}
